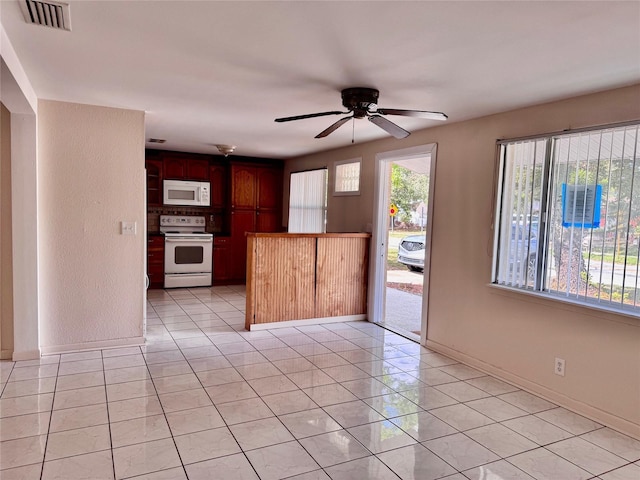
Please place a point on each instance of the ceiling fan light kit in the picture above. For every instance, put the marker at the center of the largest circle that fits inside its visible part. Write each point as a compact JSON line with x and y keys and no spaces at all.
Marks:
{"x":362,"y":102}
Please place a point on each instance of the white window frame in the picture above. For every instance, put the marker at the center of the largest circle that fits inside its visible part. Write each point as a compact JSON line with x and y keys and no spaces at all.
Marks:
{"x":538,"y":285}
{"x":337,"y":178}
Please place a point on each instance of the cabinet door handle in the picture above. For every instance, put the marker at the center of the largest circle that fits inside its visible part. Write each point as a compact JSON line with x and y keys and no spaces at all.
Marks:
{"x":151,"y":254}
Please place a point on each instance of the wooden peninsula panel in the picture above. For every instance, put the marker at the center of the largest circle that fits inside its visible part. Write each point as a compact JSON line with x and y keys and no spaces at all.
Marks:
{"x":341,"y":277}
{"x":297,"y":277}
{"x":283,"y":279}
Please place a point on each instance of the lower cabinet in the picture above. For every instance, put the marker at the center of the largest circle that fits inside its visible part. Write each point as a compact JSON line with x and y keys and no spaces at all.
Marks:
{"x":267,"y":221}
{"x":242,"y":221}
{"x":221,"y":260}
{"x":155,"y":261}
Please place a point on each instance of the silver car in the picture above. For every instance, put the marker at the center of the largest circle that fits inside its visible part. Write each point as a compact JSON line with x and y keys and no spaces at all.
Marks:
{"x":411,"y":252}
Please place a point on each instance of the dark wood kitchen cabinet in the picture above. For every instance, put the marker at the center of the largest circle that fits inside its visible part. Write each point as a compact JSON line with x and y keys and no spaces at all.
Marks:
{"x":256,"y":199}
{"x":154,"y":182}
{"x":243,"y":186}
{"x":155,"y":260}
{"x":242,"y":221}
{"x":198,"y":170}
{"x":184,"y":167}
{"x":256,"y":187}
{"x":175,"y":168}
{"x":267,"y":221}
{"x":269,"y":188}
{"x":221,"y":260}
{"x":246,"y":196}
{"x":218,"y":179}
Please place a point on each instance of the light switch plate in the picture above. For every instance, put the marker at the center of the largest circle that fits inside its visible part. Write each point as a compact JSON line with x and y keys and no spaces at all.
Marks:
{"x":128,"y":228}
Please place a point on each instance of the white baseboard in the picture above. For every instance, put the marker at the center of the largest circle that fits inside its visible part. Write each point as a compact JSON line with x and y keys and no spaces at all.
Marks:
{"x":306,"y":321}
{"x":99,"y":345}
{"x":27,"y":355}
{"x":617,"y":423}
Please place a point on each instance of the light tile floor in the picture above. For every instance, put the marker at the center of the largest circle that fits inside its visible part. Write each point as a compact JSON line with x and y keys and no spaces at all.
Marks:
{"x":204,"y":399}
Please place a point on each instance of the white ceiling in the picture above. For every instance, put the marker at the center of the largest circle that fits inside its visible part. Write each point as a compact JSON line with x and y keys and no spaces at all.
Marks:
{"x":211,"y":72}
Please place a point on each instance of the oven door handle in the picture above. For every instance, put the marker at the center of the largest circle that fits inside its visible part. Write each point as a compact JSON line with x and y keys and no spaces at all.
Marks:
{"x":188,"y":240}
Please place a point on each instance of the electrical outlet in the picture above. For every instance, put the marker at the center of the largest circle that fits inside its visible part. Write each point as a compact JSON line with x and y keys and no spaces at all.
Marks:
{"x":559,"y":367}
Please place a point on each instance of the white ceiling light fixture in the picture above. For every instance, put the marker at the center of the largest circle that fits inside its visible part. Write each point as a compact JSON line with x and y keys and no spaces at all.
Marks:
{"x":226,"y":150}
{"x":47,"y":13}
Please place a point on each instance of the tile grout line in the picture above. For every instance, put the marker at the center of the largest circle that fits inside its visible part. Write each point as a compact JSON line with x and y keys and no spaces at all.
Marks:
{"x":369,"y":376}
{"x":106,"y":398}
{"x":164,"y":413}
{"x":53,"y":399}
{"x":215,"y":406}
{"x":318,"y":406}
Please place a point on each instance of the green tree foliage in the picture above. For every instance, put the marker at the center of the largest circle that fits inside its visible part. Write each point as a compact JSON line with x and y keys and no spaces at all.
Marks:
{"x":408,"y":188}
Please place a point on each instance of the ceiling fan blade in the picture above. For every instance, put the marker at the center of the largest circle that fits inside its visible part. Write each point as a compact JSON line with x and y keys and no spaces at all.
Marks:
{"x":389,"y":127}
{"x":309,"y":115}
{"x":413,"y":113}
{"x":333,"y":127}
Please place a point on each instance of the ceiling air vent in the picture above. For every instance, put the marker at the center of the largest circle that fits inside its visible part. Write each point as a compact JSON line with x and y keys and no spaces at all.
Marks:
{"x":48,"y":14}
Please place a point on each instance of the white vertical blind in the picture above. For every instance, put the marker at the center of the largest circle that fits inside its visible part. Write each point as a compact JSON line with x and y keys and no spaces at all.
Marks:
{"x":308,"y":202}
{"x":347,"y":177}
{"x":569,"y":221}
{"x":520,"y":213}
{"x":597,"y":263}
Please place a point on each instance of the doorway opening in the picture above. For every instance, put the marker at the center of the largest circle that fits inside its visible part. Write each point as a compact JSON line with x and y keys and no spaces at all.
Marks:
{"x":402,"y":227}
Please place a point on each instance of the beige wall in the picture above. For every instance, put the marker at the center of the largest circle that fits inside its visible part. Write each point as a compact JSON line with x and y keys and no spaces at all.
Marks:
{"x":509,"y":334}
{"x":6,"y":262}
{"x":91,"y":177}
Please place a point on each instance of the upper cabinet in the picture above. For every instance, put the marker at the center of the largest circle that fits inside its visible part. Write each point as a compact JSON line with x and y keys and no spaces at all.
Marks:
{"x":243,"y":186}
{"x":198,"y":170}
{"x":185,"y":167}
{"x":175,"y":168}
{"x":154,"y":181}
{"x":256,"y":187}
{"x":218,"y":179}
{"x":269,"y":183}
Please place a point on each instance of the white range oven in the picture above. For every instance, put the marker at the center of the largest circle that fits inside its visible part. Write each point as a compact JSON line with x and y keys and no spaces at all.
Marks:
{"x":188,"y":251}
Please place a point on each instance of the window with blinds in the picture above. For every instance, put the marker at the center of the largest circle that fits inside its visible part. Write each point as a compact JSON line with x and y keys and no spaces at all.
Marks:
{"x":347,"y":178}
{"x":308,"y":202}
{"x":568,"y":217}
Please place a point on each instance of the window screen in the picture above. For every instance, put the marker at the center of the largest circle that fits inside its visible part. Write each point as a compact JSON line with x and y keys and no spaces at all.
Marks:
{"x":569,"y":217}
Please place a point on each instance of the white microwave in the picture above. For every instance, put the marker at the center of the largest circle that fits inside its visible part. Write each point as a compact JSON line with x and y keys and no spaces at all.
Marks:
{"x":194,"y":194}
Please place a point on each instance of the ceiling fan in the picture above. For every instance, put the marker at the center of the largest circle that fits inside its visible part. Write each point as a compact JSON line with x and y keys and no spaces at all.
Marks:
{"x":363,"y":102}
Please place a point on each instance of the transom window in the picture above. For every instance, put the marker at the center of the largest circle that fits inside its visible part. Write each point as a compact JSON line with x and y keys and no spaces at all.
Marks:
{"x":568,"y":217}
{"x":347,"y":177}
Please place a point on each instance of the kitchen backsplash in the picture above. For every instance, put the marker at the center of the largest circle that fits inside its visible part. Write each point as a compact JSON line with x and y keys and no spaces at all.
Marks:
{"x":214,"y":221}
